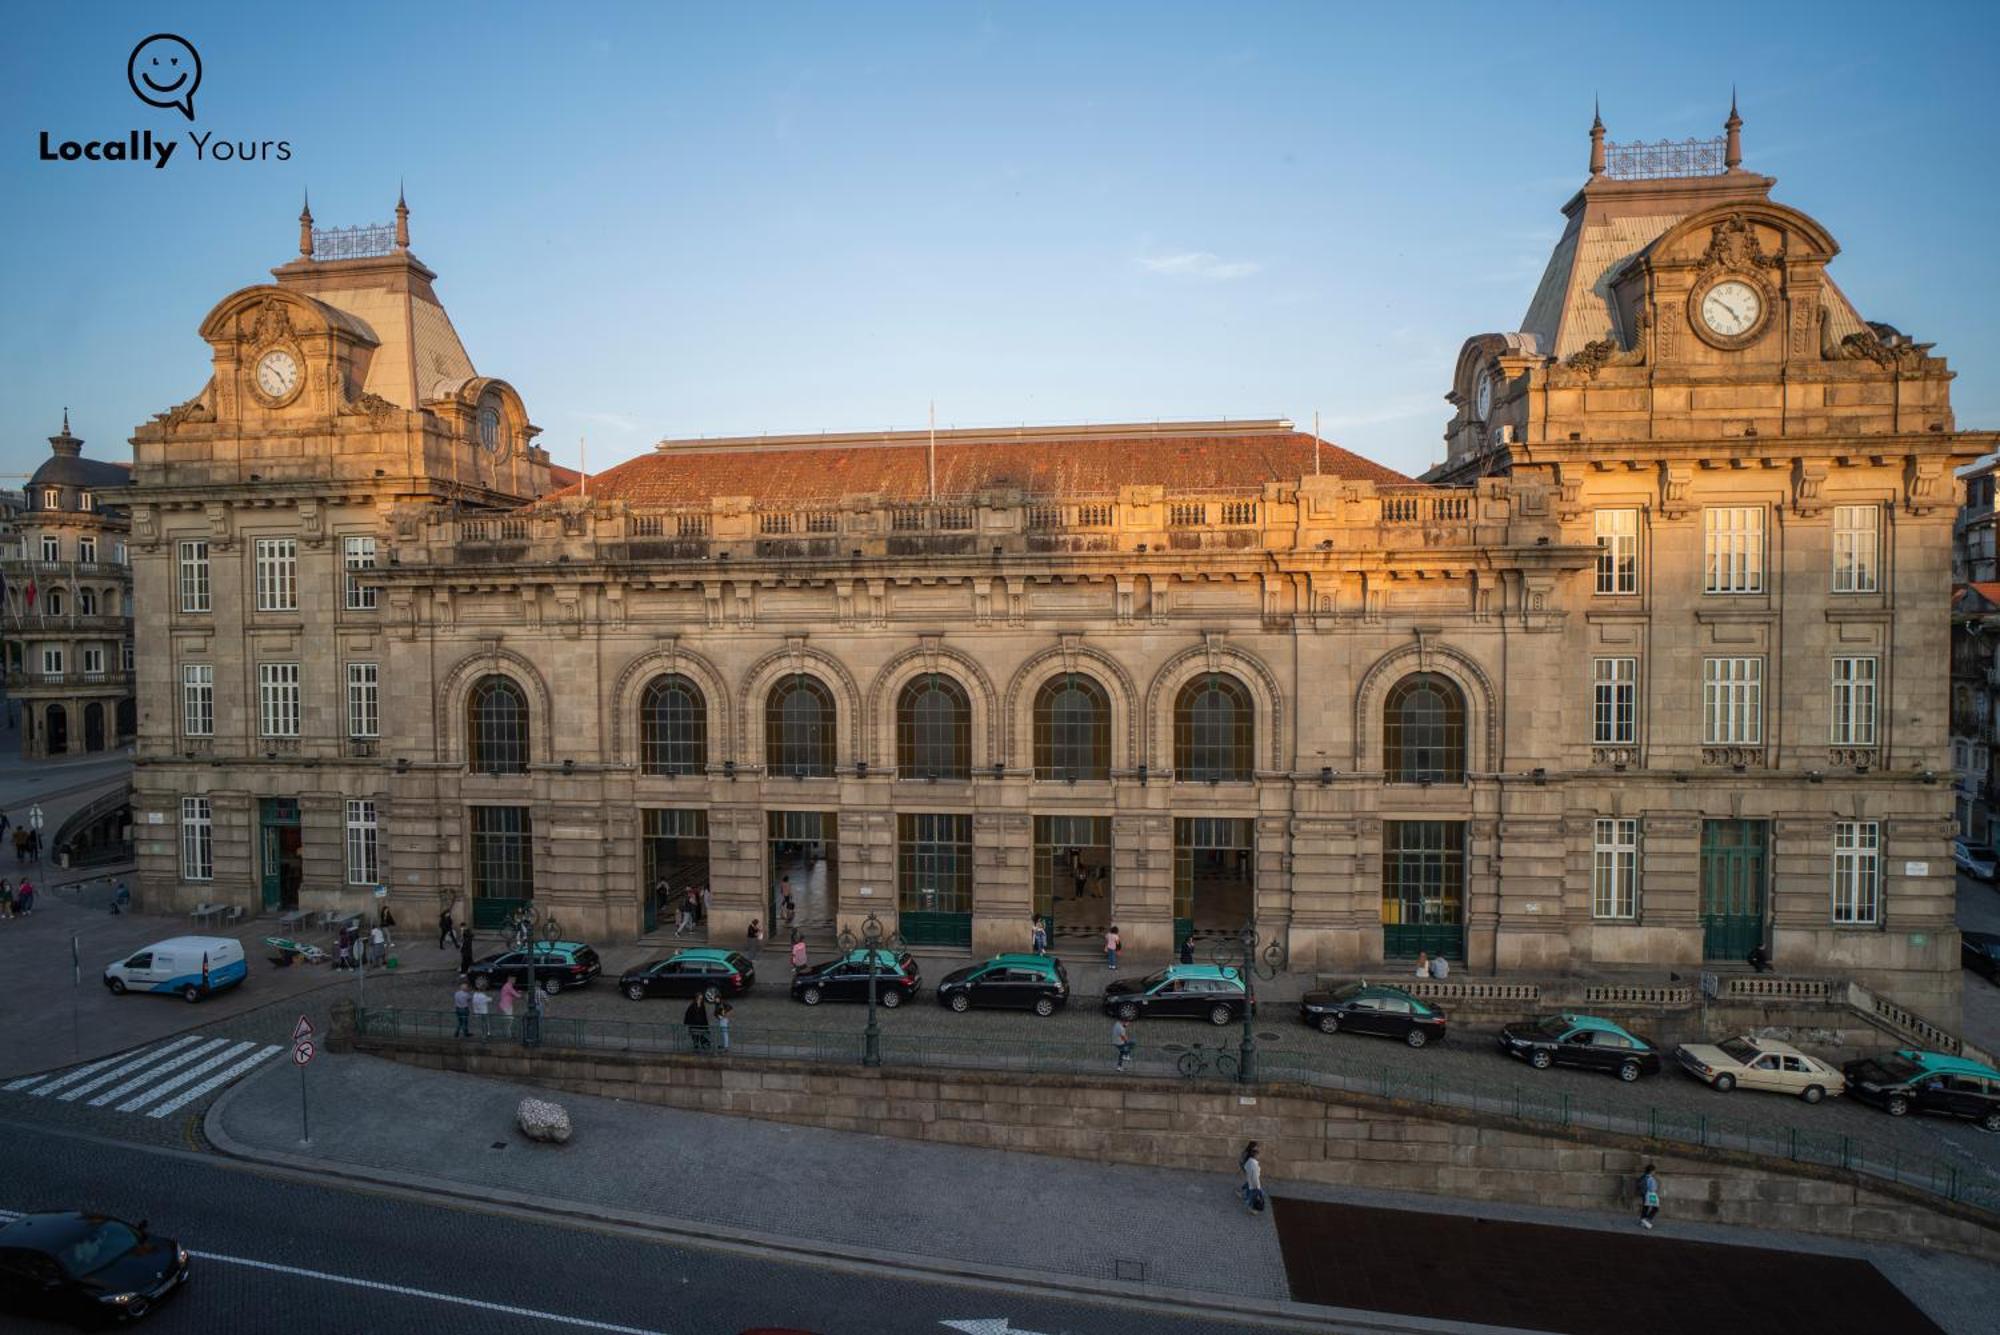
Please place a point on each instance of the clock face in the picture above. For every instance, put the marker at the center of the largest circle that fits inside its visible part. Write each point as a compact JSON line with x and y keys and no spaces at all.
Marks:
{"x":489,"y":428}
{"x":1482,"y":399}
{"x":278,"y":373}
{"x":1732,"y":308}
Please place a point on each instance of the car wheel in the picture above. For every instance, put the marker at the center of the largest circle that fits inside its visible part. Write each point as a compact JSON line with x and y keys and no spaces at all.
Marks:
{"x":1629,"y":1072}
{"x":712,"y":995}
{"x":960,"y":1002}
{"x":1722,"y":1084}
{"x":1219,"y":1014}
{"x":1541,"y":1059}
{"x":810,"y":996}
{"x":1329,"y":1023}
{"x":552,"y":985}
{"x":1898,"y":1106}
{"x":117,"y":986}
{"x":1812,"y":1093}
{"x":190,"y":994}
{"x":1991,"y":1121}
{"x":1128,"y":1012}
{"x":892,"y":998}
{"x":1044,"y":1006}
{"x":1416,"y":1038}
{"x":636,"y":991}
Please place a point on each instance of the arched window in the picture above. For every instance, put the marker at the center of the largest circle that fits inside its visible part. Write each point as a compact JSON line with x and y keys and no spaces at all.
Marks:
{"x":799,"y":729}
{"x":496,"y":727}
{"x":86,"y":602}
{"x":1072,"y":730}
{"x":673,"y":727}
{"x":1214,"y":731}
{"x":1423,"y":730}
{"x":933,"y":730}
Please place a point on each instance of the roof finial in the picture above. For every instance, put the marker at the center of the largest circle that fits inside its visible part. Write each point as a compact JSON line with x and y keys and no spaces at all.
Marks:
{"x":306,"y":227}
{"x":402,"y":219}
{"x":1732,"y":151}
{"x":1596,"y":139}
{"x":65,"y":419}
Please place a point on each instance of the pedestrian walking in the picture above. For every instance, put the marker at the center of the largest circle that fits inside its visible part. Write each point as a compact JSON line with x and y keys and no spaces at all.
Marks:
{"x":6,"y":899}
{"x":1111,"y":945}
{"x":798,"y":952}
{"x":20,"y":845}
{"x":701,"y":905}
{"x":696,"y":1019}
{"x":1187,"y":949}
{"x":378,"y":945}
{"x":383,"y":917}
{"x":1649,"y":1197}
{"x":120,"y":897}
{"x":723,"y":1010}
{"x":685,"y":921}
{"x":461,"y":1004}
{"x":465,"y":947}
{"x":445,"y":933}
{"x":24,"y":898}
{"x":509,"y":994}
{"x":1253,"y":1179}
{"x":1122,"y":1041}
{"x":482,"y":1006}
{"x":1038,"y":935}
{"x":787,"y":908}
{"x":343,"y":947}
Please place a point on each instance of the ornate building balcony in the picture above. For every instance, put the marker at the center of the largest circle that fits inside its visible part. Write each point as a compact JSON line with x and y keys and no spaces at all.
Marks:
{"x":68,"y":683}
{"x":1735,"y":757}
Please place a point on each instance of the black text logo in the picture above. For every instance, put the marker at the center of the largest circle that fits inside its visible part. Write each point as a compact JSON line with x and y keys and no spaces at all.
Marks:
{"x":164,"y":70}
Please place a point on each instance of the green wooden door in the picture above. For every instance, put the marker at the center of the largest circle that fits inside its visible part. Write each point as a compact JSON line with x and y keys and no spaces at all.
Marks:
{"x":1732,"y":887}
{"x":282,"y":866}
{"x":1423,"y":889}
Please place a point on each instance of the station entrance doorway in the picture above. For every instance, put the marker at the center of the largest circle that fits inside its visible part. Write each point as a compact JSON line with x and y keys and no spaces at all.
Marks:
{"x":1073,"y":877}
{"x":805,"y":861}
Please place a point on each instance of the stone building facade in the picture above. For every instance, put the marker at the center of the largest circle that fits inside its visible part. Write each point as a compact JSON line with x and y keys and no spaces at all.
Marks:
{"x":68,"y":606}
{"x":1644,"y":674}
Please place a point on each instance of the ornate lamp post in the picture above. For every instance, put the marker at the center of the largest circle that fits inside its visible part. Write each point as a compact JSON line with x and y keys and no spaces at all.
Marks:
{"x":1243,"y":954}
{"x":872,"y":940}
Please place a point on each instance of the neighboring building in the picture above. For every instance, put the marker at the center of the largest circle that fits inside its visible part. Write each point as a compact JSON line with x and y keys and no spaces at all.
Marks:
{"x":1642,"y":676}
{"x":1973,"y":560}
{"x":1975,"y":724}
{"x":68,"y":606}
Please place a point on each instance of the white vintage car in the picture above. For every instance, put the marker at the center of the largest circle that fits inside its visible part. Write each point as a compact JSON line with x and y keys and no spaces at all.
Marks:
{"x":1760,"y":1063}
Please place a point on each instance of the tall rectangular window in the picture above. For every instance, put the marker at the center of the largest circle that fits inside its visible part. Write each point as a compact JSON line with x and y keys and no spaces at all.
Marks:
{"x":1733,"y":701}
{"x":1617,"y":551}
{"x":93,"y":660}
{"x":934,"y":863}
{"x":51,"y":547}
{"x":194,"y":576}
{"x":1853,"y":702}
{"x":278,"y":699}
{"x":1614,"y":873}
{"x":197,"y":840}
{"x":358,"y":554}
{"x":363,"y":714}
{"x":52,"y":660}
{"x":1857,"y":871}
{"x":1856,"y":535}
{"x":198,"y":699}
{"x":277,"y":574}
{"x":1733,"y":549}
{"x":86,"y":550}
{"x":362,"y":867}
{"x":1615,"y":703}
{"x":503,"y":861}
{"x":121,"y":554}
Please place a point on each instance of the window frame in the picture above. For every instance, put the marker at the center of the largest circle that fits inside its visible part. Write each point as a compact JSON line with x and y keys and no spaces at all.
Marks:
{"x":1201,"y":742}
{"x":359,"y":597}
{"x":1856,"y":899}
{"x":673,"y":739}
{"x":193,"y":576}
{"x":1617,"y":551}
{"x":276,"y":562}
{"x":1740,"y":688}
{"x":364,"y":700}
{"x":1854,"y":700}
{"x":197,"y":839}
{"x":1733,"y":549}
{"x":280,"y":700}
{"x":1614,"y":869}
{"x":51,"y":549}
{"x":933,"y":744}
{"x":364,"y":831}
{"x":1614,"y":701}
{"x":1857,"y":549}
{"x":487,"y":751}
{"x":197,"y":699}
{"x":811,"y":755}
{"x":1060,"y":738}
{"x":1448,"y":736}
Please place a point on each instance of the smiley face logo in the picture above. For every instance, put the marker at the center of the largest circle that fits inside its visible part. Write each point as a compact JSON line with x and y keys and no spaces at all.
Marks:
{"x":164,"y":70}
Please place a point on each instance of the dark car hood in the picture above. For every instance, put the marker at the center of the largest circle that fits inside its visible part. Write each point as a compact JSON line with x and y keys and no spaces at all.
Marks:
{"x":1318,"y":1000}
{"x":138,"y":1271}
{"x":958,"y":975}
{"x":1124,"y":987}
{"x":812,"y":971}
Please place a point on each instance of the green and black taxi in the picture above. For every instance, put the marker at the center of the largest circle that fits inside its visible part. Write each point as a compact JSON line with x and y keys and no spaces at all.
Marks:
{"x":1370,"y":1008}
{"x":896,"y":976}
{"x":704,"y":972}
{"x":1211,"y":992}
{"x":1909,"y":1081}
{"x":1584,"y":1041}
{"x":1037,"y":983}
{"x":553,"y":966}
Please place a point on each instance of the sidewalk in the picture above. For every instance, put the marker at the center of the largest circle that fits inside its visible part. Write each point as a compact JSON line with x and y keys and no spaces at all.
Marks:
{"x":1109,"y":1229}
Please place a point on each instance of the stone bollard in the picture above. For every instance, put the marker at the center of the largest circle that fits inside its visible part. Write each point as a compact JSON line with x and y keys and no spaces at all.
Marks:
{"x":542,"y":1120}
{"x":340,"y":1033}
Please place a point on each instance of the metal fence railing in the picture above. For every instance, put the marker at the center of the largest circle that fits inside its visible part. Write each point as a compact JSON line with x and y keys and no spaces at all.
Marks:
{"x":1531,"y":1103}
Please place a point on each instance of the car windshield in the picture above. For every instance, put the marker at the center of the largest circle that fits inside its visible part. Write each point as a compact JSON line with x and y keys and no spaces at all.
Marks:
{"x":104,"y":1243}
{"x":1554,"y":1026}
{"x":1348,"y":993}
{"x":1742,"y":1049}
{"x":1152,"y":981}
{"x":1898,"y":1068}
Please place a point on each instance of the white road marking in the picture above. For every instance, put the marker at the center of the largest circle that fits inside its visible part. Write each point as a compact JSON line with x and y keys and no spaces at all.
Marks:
{"x":220,"y":1078}
{"x":404,"y":1290}
{"x":146,"y":1077}
{"x":146,"y":1058}
{"x":78,"y":1074}
{"x":171,"y":1083}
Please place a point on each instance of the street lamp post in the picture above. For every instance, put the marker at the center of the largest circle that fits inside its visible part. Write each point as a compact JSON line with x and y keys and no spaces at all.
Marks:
{"x":1243,"y":954}
{"x":874,"y":941}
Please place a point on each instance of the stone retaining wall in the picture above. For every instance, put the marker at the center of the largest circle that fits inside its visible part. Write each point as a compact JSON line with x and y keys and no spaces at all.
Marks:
{"x":1325,"y":1136}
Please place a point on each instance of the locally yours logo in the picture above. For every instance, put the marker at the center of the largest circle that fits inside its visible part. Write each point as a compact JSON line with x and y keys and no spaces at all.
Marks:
{"x":164,"y":71}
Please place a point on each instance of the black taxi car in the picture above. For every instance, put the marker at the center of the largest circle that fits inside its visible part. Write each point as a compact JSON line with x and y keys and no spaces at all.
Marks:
{"x":1369,"y":1008}
{"x":1211,"y":992}
{"x":554,"y":966}
{"x":85,"y":1267}
{"x":1908,"y":1081}
{"x":897,"y":978}
{"x":705,"y":972}
{"x":1038,"y":983}
{"x":1584,"y":1041}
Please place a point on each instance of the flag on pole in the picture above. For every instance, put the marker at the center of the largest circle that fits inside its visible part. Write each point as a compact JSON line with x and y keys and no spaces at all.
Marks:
{"x":31,"y":593}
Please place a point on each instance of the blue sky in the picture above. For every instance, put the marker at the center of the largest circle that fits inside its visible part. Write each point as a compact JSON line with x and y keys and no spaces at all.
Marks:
{"x":715,"y":219}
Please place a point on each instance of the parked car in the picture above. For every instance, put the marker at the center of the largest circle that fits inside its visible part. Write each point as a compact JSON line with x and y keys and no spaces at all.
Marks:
{"x":190,"y":967}
{"x":897,"y":978}
{"x":556,"y":965}
{"x":1022,"y":982}
{"x":711,"y":973}
{"x":1980,"y":952}
{"x":86,"y":1267}
{"x":1209,"y":992}
{"x":1759,"y":1063}
{"x":1909,"y":1081}
{"x":1978,"y":860}
{"x":1580,"y":1040}
{"x":1367,"y":1008}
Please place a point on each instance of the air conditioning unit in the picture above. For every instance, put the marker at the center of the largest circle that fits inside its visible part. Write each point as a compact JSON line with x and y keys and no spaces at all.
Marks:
{"x":1501,"y":433}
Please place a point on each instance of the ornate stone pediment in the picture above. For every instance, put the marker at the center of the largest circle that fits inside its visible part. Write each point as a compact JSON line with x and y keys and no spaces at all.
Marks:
{"x":1733,"y":244}
{"x":273,"y":323}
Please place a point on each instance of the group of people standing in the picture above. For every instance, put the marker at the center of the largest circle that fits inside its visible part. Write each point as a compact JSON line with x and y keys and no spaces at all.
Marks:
{"x":17,"y":901}
{"x":471,"y":1001}
{"x":27,"y":835}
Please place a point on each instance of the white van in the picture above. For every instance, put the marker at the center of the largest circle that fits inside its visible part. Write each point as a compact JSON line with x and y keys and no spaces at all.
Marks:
{"x":193,"y":966}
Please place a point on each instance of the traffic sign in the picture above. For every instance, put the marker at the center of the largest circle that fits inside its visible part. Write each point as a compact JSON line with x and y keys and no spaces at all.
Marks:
{"x":302,"y":1052}
{"x":302,"y":1030}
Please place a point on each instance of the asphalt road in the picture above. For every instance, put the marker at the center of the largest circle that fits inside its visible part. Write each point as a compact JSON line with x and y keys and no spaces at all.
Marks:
{"x":313,"y":1258}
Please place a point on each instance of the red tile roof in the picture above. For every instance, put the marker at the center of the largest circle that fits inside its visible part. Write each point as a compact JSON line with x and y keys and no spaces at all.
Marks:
{"x":804,"y":471}
{"x":561,"y":477}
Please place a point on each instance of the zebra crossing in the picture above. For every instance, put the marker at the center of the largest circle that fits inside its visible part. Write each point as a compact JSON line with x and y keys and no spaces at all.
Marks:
{"x":157,"y":1081}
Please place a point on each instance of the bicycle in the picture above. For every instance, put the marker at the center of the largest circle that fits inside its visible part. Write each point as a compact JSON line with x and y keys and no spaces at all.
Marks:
{"x":1196,"y":1061}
